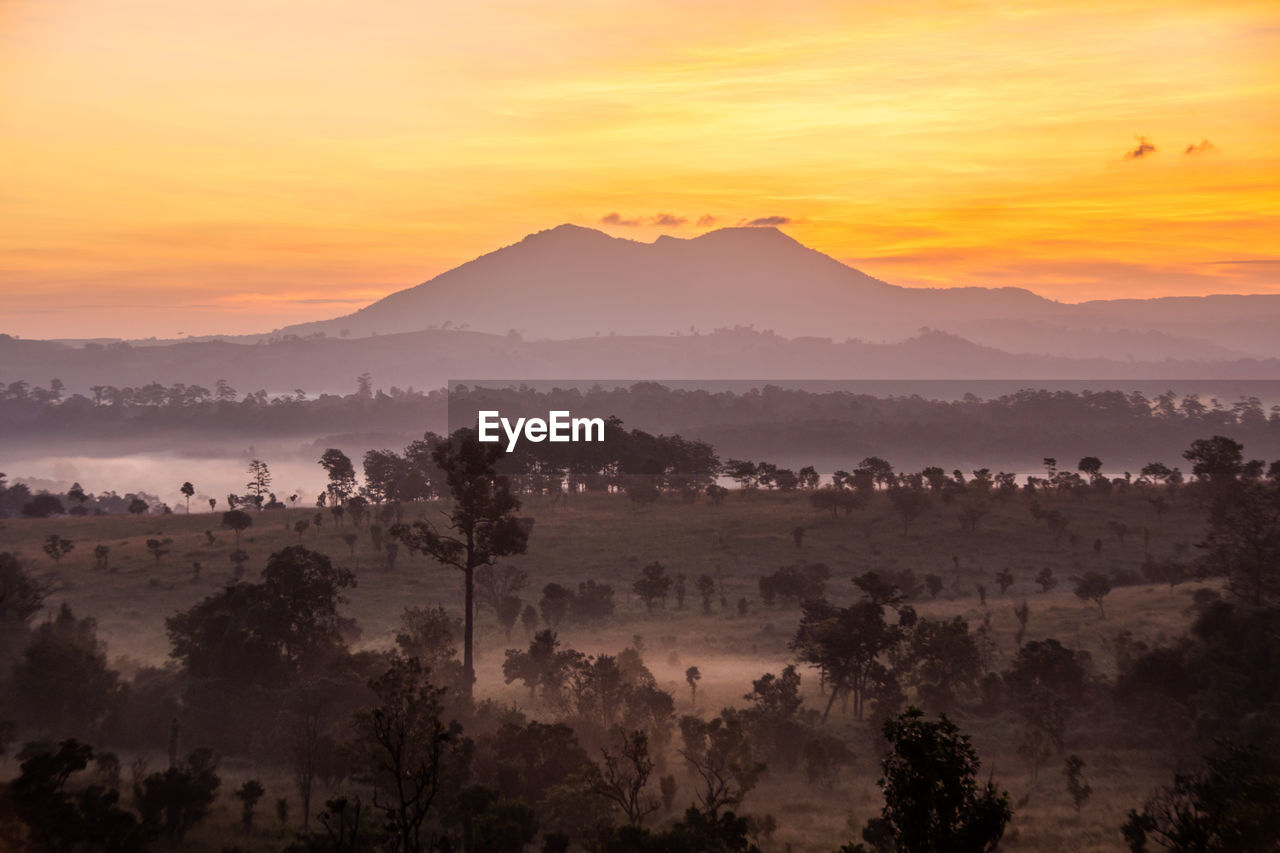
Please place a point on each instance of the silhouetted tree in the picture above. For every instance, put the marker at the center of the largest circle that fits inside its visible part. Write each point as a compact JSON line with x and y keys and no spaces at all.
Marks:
{"x":932,"y":799}
{"x":1077,"y":786}
{"x":1093,"y":586}
{"x":1229,"y":805}
{"x":187,"y":491}
{"x":692,"y":675}
{"x":248,"y":794}
{"x":653,"y":585}
{"x":57,"y":547}
{"x":625,"y":776}
{"x":237,"y":520}
{"x":719,"y":753}
{"x":175,"y":800}
{"x":483,"y":523}
{"x":846,"y":644}
{"x":61,"y":815}
{"x":259,"y":481}
{"x":406,"y":749}
{"x":1243,"y":541}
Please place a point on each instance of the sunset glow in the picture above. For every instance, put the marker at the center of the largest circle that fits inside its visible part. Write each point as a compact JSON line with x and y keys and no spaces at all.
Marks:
{"x":229,"y":167}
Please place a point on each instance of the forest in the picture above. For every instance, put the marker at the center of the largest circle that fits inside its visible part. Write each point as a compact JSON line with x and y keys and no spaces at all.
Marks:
{"x":639,"y":645}
{"x":971,"y":424}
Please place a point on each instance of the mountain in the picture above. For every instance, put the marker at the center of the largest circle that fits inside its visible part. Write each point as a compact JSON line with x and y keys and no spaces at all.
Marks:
{"x":571,"y":282}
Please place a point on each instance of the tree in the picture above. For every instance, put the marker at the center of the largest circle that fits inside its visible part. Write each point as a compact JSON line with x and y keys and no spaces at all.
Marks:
{"x":42,"y":506}
{"x":845,"y":644}
{"x":187,"y":490}
{"x":625,"y":775}
{"x":20,"y":599}
{"x":1045,"y":681}
{"x":237,"y":520}
{"x":909,"y":504}
{"x":1243,"y":541}
{"x":653,"y":585}
{"x":932,"y":799}
{"x":543,"y":667}
{"x":706,"y":588}
{"x":62,"y":681}
{"x":248,"y":794}
{"x":156,"y":548}
{"x":943,"y":658}
{"x":1021,"y":612}
{"x":494,"y":584}
{"x":77,"y":494}
{"x":692,"y":675}
{"x":1093,"y":586}
{"x":1045,"y":579}
{"x":1077,"y":786}
{"x":259,"y":481}
{"x":57,"y":547}
{"x":430,"y":634}
{"x":265,"y":633}
{"x":1229,"y":805}
{"x":719,"y":753}
{"x":555,"y":603}
{"x":483,"y":523}
{"x":60,"y":819}
{"x":177,"y":799}
{"x":1215,"y":460}
{"x":509,"y":610}
{"x":407,"y":749}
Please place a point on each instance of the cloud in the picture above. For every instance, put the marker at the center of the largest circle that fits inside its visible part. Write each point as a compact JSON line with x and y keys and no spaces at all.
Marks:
{"x":769,"y":221}
{"x":1205,"y":147}
{"x":669,"y":220}
{"x":707,"y":219}
{"x":616,"y":219}
{"x":1145,"y":147}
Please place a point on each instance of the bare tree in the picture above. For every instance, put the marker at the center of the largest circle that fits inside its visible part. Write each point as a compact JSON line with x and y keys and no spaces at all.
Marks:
{"x":625,"y":776}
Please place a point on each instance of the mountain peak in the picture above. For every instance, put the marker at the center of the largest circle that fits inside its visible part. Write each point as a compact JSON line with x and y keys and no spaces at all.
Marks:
{"x":567,"y":230}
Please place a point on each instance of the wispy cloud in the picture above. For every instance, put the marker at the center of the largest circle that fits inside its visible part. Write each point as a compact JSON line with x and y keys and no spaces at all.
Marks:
{"x":706,"y":220}
{"x":658,"y":220}
{"x":1145,"y":147}
{"x":1205,"y":147}
{"x":765,"y":221}
{"x":616,"y":219}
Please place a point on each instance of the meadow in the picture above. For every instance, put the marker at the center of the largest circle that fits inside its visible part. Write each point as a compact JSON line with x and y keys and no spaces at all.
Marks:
{"x":608,"y":538}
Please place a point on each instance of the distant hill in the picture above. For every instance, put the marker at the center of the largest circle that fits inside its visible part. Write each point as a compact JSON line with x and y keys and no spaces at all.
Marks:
{"x":572,"y":282}
{"x":429,"y":359}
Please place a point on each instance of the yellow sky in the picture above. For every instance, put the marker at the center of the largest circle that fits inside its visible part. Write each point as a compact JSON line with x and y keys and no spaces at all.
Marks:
{"x":206,"y":167}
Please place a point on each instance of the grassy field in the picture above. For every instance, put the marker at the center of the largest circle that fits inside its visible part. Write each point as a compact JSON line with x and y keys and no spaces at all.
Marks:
{"x":607,"y":538}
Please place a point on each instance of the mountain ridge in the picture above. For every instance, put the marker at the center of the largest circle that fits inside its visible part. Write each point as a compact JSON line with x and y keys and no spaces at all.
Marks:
{"x":573,"y":281}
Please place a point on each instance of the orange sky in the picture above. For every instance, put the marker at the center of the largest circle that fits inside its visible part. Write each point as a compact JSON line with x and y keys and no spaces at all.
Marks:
{"x":235,"y":166}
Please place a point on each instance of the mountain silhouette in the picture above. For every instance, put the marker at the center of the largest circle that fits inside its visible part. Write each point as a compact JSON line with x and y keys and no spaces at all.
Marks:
{"x":572,"y":282}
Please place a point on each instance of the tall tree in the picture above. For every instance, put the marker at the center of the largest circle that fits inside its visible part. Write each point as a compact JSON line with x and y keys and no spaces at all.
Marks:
{"x":481,"y":527}
{"x":259,"y":481}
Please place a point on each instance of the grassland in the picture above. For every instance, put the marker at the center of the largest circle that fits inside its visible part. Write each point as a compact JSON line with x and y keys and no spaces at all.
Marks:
{"x":608,"y":538}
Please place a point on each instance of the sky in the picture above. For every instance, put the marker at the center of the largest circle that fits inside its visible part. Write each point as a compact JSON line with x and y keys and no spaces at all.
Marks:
{"x":231,"y":167}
